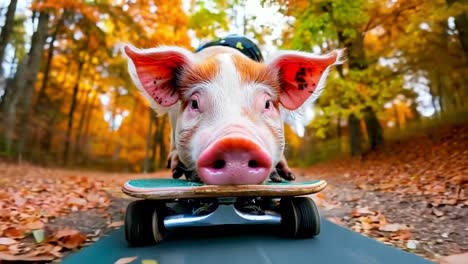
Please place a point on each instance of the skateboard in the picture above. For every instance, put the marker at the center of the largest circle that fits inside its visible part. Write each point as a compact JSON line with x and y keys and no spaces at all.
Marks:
{"x":169,"y":204}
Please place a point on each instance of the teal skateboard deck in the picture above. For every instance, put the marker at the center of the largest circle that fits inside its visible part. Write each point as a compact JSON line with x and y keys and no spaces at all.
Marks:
{"x":164,"y":189}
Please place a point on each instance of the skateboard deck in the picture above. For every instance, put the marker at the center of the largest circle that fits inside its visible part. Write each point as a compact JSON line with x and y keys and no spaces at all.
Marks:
{"x":166,"y":189}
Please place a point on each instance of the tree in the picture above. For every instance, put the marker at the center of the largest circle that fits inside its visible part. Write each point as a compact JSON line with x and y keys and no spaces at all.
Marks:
{"x":22,"y":86}
{"x":368,"y":31}
{"x":7,"y":30}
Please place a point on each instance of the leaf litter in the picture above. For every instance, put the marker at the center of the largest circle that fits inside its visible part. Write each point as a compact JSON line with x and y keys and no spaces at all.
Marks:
{"x":412,"y":194}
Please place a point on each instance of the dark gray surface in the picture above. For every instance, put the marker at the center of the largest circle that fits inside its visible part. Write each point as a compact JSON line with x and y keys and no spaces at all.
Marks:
{"x":239,"y":245}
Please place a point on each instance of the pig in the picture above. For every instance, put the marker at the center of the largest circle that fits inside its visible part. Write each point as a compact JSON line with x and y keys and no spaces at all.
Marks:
{"x":227,"y":112}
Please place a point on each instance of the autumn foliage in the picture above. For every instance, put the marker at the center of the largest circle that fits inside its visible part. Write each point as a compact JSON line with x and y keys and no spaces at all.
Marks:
{"x":66,"y":97}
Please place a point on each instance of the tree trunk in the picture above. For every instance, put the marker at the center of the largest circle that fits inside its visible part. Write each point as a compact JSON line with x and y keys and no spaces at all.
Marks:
{"x":162,"y":144}
{"x":6,"y":30}
{"x":34,"y":64}
{"x":78,"y":149}
{"x":8,"y":88}
{"x":130,"y":131}
{"x":461,"y":23}
{"x":338,"y":132}
{"x":78,"y":144}
{"x":374,"y":129}
{"x":148,"y":142}
{"x":45,"y":141}
{"x":154,"y":144}
{"x":440,"y":89}
{"x":397,"y":117}
{"x":357,"y":61}
{"x":355,"y":135}
{"x":71,"y":112}
{"x":50,"y":55}
{"x":9,"y":107}
{"x":89,"y":117}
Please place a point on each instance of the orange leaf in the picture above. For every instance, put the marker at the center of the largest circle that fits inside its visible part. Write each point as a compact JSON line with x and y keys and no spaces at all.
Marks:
{"x":64,"y":233}
{"x":125,"y":260}
{"x":14,"y":232}
{"x":69,"y":238}
{"x":26,"y":257}
{"x":362,"y":211}
{"x":34,"y":225}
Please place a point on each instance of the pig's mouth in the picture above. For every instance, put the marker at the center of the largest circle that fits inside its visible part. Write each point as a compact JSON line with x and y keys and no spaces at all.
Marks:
{"x":233,"y":160}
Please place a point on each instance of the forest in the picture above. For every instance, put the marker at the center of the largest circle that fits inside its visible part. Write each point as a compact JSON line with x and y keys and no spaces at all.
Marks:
{"x":66,"y":98}
{"x":389,"y":133}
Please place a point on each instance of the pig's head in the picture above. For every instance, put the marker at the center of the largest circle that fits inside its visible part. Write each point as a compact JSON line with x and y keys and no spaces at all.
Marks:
{"x":229,"y":110}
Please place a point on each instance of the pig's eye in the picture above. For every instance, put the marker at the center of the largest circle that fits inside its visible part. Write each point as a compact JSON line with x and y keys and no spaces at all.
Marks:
{"x":268,"y":104}
{"x":194,"y":104}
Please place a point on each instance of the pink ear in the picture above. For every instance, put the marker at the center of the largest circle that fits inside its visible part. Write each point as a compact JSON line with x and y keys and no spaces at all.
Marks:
{"x":156,"y":70}
{"x":300,"y":75}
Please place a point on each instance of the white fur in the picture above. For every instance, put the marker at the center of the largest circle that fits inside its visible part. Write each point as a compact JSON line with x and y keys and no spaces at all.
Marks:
{"x":227,"y":95}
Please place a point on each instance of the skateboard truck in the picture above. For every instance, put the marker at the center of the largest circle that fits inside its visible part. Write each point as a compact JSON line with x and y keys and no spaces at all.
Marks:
{"x":225,"y":214}
{"x":164,"y":204}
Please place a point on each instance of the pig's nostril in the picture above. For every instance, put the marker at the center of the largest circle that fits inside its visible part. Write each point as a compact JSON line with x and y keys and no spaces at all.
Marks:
{"x":253,"y":164}
{"x":219,"y":164}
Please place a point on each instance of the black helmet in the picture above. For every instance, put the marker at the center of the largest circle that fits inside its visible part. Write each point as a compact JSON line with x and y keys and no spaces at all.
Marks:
{"x":241,"y":43}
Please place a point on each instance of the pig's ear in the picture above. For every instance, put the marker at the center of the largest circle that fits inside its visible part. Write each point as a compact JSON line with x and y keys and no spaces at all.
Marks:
{"x":154,"y":72}
{"x":302,"y":75}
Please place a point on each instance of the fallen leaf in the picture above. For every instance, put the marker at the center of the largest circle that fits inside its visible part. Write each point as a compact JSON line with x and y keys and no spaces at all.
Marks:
{"x":6,"y":241}
{"x":14,"y":232}
{"x":26,"y":257}
{"x":125,"y":260}
{"x":149,"y":261}
{"x":362,"y":186}
{"x":444,"y":235}
{"x":386,"y":186}
{"x":362,"y":211}
{"x":77,"y":201}
{"x":38,"y":235}
{"x":69,"y":238}
{"x":393,"y":227}
{"x":449,"y":201}
{"x":34,"y":225}
{"x":437,"y":213}
{"x":412,"y":244}
{"x":116,"y":224}
{"x":455,"y":259}
{"x":336,"y":220}
{"x":366,"y":223}
{"x":73,"y":241}
{"x":65,"y":232}
{"x":402,"y":235}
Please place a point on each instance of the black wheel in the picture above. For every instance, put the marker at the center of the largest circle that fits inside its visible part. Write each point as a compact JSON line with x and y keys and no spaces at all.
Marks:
{"x":289,"y":218}
{"x":309,"y":217}
{"x":299,"y":217}
{"x":143,"y":222}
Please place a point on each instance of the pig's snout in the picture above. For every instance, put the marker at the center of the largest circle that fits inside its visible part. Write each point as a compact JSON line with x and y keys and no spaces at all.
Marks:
{"x":233,"y":160}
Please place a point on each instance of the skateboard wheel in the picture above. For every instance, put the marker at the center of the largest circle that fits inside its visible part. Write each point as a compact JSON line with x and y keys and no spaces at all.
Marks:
{"x":289,"y":217}
{"x":299,"y":217}
{"x":309,"y":217}
{"x":143,"y":222}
